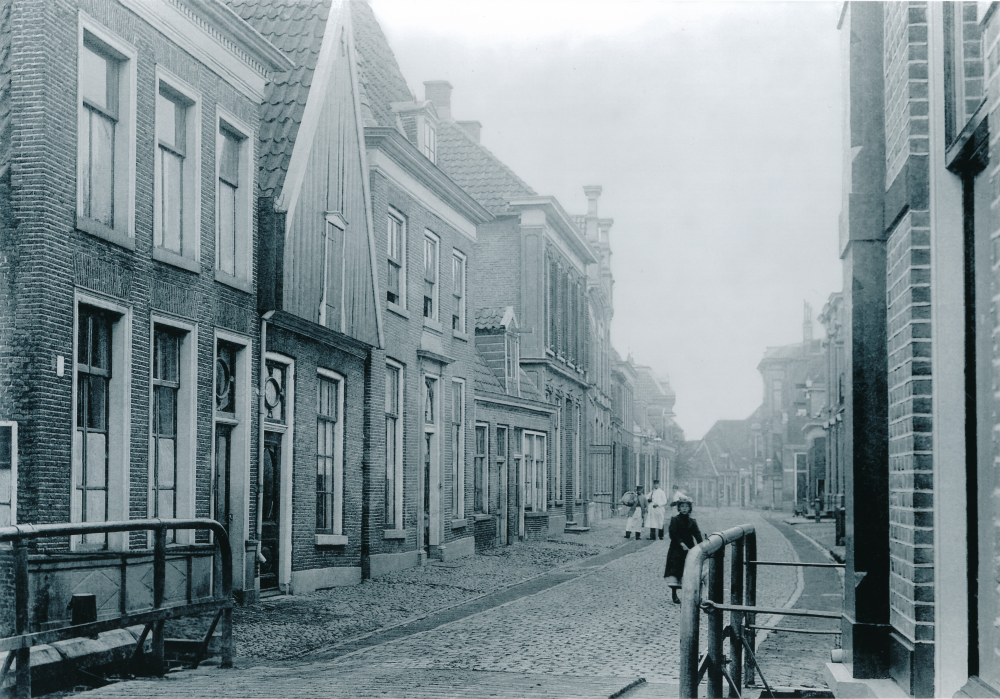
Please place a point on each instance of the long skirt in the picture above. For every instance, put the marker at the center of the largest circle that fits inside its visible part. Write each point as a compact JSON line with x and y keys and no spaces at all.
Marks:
{"x":654,"y":517}
{"x":674,"y":571}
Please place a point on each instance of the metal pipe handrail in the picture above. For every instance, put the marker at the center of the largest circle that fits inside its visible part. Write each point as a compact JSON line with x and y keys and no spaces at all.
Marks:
{"x":710,"y":606}
{"x":20,"y":644}
{"x":800,"y":564}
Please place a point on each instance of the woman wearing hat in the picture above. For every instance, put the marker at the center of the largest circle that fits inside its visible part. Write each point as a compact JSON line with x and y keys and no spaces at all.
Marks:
{"x":684,"y":534}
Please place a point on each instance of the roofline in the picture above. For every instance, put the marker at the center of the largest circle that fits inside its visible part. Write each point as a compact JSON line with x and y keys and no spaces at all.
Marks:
{"x":555,"y":213}
{"x":403,"y":153}
{"x":514,"y":402}
{"x":230,"y":24}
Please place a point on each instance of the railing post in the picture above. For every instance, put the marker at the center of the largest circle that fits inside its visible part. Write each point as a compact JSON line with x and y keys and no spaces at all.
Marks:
{"x":225,"y":557}
{"x":736,"y":618}
{"x":750,"y":600}
{"x":716,"y":571}
{"x":690,"y":613}
{"x":21,"y":620}
{"x":159,"y":583}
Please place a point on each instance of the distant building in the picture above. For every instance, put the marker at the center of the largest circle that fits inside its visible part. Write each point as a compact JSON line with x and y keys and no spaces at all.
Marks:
{"x":832,"y":319}
{"x":794,"y":379}
{"x":656,"y":436}
{"x":623,"y":379}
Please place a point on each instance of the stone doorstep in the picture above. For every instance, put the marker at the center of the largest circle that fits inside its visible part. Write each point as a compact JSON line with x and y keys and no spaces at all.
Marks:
{"x":842,"y":683}
{"x":50,"y":663}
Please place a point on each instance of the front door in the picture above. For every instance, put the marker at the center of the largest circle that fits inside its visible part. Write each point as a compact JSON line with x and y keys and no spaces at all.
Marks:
{"x":270,"y":510}
{"x":223,"y":452}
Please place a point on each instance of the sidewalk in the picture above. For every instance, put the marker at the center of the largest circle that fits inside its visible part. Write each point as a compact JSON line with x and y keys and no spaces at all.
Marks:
{"x":823,"y":533}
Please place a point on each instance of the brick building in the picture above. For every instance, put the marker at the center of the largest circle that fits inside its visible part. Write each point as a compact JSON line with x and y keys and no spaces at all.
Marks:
{"x":832,"y":319}
{"x":623,"y":379}
{"x":657,"y":436}
{"x":128,"y":283}
{"x":918,"y":242}
{"x":533,"y":257}
{"x":794,"y":378}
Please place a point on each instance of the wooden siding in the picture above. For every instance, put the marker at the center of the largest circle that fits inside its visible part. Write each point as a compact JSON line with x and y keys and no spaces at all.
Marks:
{"x":333,"y":183}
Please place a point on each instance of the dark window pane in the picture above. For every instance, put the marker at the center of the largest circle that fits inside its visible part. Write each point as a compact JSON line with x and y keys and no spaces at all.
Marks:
{"x":97,"y":403}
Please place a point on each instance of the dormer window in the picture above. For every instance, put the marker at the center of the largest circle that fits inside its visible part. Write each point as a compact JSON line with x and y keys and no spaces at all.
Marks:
{"x":512,"y":365}
{"x":429,"y":145}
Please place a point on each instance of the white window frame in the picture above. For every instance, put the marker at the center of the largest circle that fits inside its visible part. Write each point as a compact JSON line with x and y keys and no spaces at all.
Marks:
{"x":458,"y":259}
{"x":512,"y":363}
{"x":429,"y":236}
{"x":226,"y":120}
{"x":536,"y":496}
{"x":485,"y":475}
{"x":119,"y":418}
{"x":191,"y":174}
{"x":434,"y":430}
{"x":397,"y":520}
{"x":335,"y":536}
{"x":186,"y":447}
{"x":11,"y":501}
{"x":333,"y":220}
{"x":123,"y":231}
{"x":458,"y":461}
{"x":428,"y":142}
{"x":401,"y":300}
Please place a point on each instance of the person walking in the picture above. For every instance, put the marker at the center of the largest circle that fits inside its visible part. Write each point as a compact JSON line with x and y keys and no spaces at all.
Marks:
{"x":657,"y":511}
{"x":684,"y":534}
{"x":636,"y":515}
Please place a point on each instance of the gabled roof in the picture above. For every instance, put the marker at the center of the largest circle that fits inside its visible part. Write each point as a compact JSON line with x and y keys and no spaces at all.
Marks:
{"x":297,"y":28}
{"x":495,"y":318}
{"x":381,"y":81}
{"x":476,"y":170}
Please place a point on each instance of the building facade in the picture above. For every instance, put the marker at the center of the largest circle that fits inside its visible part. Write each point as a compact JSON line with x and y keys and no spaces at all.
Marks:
{"x":918,"y":232}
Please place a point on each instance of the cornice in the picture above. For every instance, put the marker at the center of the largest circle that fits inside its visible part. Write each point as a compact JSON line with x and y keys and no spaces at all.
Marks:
{"x":560,"y":221}
{"x":320,"y":333}
{"x":397,"y":148}
{"x":233,"y":29}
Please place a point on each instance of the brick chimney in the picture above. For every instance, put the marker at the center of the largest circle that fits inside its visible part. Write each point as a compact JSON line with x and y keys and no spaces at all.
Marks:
{"x":472,"y":128}
{"x":439,"y":92}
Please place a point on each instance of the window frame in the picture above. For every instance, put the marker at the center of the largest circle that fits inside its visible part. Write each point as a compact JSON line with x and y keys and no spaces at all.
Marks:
{"x":243,"y":207}
{"x":12,"y":490}
{"x":334,"y":232}
{"x":400,"y":259}
{"x":337,"y":509}
{"x":435,"y":244}
{"x":535,"y":489}
{"x":512,"y":363}
{"x":459,"y":261}
{"x":185,"y":447}
{"x":481,"y":470}
{"x":122,"y":230}
{"x":428,"y":145}
{"x":458,"y":461}
{"x":119,"y":420}
{"x":396,"y":523}
{"x":190,"y":254}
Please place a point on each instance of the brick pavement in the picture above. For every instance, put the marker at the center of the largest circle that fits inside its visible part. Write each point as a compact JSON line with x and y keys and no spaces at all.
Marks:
{"x":793,"y":659}
{"x":591,"y":635}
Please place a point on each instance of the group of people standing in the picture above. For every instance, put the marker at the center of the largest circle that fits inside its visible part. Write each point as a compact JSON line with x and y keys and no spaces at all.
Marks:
{"x":649,"y":512}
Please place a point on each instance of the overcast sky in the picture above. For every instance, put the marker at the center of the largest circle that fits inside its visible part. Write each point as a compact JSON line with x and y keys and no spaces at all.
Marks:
{"x":715,"y":131}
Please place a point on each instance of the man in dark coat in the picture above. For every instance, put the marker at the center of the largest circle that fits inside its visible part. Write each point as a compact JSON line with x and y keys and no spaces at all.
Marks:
{"x":684,"y":534}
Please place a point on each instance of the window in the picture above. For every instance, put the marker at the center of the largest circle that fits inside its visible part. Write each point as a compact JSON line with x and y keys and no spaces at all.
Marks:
{"x":534,"y":471}
{"x":553,"y":306}
{"x":333,"y":272}
{"x":105,"y":136}
{"x":458,"y":291}
{"x":176,"y":191}
{"x":776,"y":394}
{"x":430,"y":141}
{"x":512,"y":370}
{"x":458,"y":449}
{"x":430,"y":276}
{"x":233,"y":222}
{"x":479,"y":471}
{"x":166,"y":384}
{"x":501,"y":462}
{"x":231,"y":387}
{"x":8,"y":474}
{"x":396,"y":282}
{"x":329,"y":456}
{"x":393,"y":446}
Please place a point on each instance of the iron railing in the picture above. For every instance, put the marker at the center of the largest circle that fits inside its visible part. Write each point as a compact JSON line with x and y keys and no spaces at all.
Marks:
{"x":19,"y":646}
{"x":742,"y":608}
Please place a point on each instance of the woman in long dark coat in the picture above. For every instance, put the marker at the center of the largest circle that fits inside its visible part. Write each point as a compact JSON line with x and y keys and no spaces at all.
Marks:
{"x":684,"y":534}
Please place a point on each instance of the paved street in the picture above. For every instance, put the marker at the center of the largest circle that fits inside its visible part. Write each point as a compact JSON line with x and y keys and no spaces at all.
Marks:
{"x":589,"y":629}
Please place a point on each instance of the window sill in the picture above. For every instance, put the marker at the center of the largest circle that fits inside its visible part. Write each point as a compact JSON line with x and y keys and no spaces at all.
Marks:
{"x":560,"y":502}
{"x":99,"y":230}
{"x":397,"y":309}
{"x":394,"y":534}
{"x":234,"y":282}
{"x":459,"y":335}
{"x":459,"y":523}
{"x":482,"y":517}
{"x":331,"y":540}
{"x":174,"y":260}
{"x":431,"y":324}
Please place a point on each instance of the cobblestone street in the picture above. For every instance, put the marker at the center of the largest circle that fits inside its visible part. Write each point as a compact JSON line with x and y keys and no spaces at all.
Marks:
{"x":595,"y":626}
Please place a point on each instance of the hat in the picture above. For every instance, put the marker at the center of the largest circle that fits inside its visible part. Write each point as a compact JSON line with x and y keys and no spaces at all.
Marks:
{"x":680,"y":497}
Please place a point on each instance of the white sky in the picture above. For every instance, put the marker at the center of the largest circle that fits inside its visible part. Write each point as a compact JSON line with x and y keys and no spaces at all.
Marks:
{"x":715,"y":131}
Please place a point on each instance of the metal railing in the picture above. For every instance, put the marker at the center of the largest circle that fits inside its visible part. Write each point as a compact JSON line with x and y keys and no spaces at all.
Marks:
{"x":742,"y":608}
{"x":19,"y":646}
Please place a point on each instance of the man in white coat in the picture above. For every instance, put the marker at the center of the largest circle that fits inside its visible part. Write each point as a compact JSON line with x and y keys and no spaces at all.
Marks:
{"x":657,"y":511}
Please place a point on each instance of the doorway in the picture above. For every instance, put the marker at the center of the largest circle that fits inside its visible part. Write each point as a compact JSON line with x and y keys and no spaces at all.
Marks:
{"x":270,"y":503}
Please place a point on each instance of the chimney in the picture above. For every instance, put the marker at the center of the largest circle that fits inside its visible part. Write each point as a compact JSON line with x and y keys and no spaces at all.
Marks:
{"x":472,"y":128}
{"x":593,"y":192}
{"x":439,"y":92}
{"x":807,"y":322}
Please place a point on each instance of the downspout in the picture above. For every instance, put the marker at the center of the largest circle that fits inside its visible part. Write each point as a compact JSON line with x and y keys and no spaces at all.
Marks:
{"x":261,"y":413}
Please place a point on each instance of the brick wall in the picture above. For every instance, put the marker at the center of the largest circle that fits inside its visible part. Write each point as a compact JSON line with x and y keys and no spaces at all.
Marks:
{"x":911,"y":496}
{"x":906,"y":107}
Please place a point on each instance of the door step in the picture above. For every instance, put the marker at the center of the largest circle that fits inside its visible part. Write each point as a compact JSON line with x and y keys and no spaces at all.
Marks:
{"x":575,"y":529}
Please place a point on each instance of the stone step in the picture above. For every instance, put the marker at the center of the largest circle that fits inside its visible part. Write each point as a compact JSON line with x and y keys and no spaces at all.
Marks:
{"x":575,"y":529}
